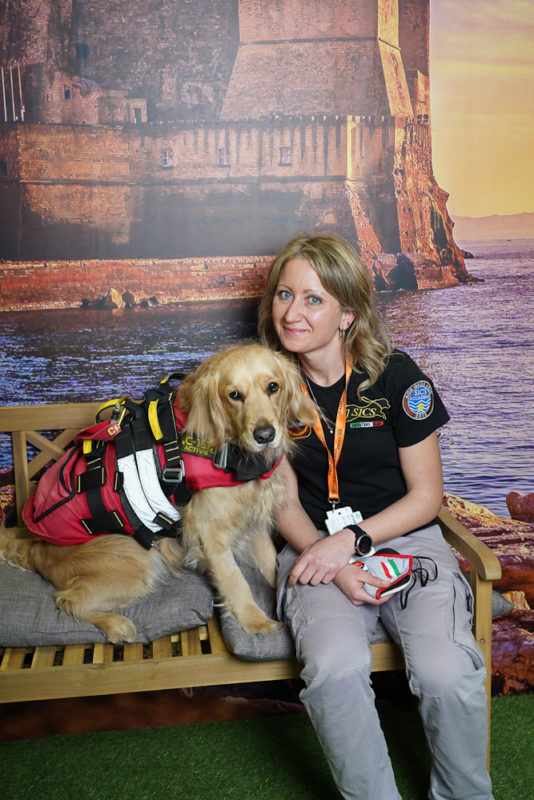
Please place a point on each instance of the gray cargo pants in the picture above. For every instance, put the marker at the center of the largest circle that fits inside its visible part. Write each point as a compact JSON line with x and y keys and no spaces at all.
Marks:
{"x":444,"y":665}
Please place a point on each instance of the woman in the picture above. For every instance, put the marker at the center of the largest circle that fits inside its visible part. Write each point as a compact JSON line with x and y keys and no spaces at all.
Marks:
{"x":373,"y":450}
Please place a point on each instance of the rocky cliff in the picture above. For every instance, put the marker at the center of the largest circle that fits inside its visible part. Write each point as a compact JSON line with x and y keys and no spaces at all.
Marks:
{"x":512,"y":541}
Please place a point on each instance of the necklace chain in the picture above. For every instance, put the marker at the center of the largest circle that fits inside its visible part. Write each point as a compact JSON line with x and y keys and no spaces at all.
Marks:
{"x":321,"y":412}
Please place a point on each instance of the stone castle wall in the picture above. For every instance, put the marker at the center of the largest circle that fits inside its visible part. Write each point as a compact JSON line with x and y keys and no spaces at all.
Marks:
{"x":275,"y":20}
{"x":175,"y":130}
{"x":178,"y":55}
{"x":139,"y":189}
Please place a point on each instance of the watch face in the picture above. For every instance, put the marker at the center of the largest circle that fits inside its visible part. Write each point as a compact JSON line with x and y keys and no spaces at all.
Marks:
{"x":364,"y":545}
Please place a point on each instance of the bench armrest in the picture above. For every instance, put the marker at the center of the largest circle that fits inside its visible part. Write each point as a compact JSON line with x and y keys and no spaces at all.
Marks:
{"x":481,"y":559}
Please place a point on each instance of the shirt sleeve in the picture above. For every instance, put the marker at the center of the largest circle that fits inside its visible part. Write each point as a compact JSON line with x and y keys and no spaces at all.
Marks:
{"x":416,"y":408}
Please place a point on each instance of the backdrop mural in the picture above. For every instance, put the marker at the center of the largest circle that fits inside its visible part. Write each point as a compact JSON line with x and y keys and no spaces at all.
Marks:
{"x":155,"y":155}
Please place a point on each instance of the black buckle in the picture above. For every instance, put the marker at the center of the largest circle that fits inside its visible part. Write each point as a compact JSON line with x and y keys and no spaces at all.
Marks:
{"x":220,"y":457}
{"x":173,"y":474}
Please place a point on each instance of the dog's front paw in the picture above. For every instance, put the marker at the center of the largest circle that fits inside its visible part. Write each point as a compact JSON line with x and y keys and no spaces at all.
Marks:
{"x":265,"y":625}
{"x":274,"y":626}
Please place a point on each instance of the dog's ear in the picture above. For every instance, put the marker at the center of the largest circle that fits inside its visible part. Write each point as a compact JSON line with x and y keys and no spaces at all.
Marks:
{"x":300,"y":410}
{"x":199,"y":397}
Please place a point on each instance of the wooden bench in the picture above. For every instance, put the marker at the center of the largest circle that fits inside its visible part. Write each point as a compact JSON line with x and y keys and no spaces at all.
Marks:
{"x":192,"y":658}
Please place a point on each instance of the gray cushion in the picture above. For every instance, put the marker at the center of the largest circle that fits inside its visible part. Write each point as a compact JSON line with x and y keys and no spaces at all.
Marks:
{"x":30,"y":617}
{"x":269,"y":646}
{"x":499,"y":604}
{"x":257,"y":646}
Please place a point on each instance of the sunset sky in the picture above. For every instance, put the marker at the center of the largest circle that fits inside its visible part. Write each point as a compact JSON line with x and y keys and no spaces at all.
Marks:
{"x":482,"y":95}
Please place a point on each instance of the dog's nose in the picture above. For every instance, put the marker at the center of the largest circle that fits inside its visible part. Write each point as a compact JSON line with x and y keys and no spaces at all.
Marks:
{"x":264,"y":434}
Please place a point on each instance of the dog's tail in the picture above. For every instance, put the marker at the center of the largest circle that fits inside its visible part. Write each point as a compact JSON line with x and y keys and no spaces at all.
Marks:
{"x":175,"y":555}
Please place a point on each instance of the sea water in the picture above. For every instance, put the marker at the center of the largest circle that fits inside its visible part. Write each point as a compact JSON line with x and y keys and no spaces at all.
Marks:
{"x":475,"y":341}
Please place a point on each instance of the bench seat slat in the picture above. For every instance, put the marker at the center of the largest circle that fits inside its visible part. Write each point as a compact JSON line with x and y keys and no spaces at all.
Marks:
{"x":13,"y":658}
{"x":43,"y":657}
{"x":133,"y":652}
{"x":162,"y":648}
{"x":73,"y":655}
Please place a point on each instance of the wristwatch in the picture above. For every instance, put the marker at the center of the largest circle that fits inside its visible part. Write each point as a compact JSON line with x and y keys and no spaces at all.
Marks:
{"x":363,"y":544}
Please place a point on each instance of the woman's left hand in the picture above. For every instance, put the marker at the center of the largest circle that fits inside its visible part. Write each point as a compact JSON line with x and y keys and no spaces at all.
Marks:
{"x":321,"y":561}
{"x":351,"y":580}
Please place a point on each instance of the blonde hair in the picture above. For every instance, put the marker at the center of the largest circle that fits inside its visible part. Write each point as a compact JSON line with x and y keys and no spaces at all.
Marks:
{"x":345,"y":277}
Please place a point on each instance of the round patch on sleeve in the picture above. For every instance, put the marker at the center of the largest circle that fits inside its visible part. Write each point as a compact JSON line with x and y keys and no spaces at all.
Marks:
{"x":418,"y":400}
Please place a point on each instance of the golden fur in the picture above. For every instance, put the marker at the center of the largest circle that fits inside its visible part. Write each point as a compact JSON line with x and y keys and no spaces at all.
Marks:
{"x":242,"y":391}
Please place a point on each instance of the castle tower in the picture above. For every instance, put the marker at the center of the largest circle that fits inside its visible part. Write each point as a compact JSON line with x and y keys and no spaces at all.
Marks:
{"x":414,"y":26}
{"x":307,"y":57}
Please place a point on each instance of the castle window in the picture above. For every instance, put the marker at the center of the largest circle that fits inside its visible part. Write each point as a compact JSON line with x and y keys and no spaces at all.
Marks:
{"x":138,"y":115}
{"x":285,"y":156}
{"x":223,"y":157}
{"x":3,"y":169}
{"x":167,"y":158}
{"x":66,"y":92}
{"x":82,"y":51}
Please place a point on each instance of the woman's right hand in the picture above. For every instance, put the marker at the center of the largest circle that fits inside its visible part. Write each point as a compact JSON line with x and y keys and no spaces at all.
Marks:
{"x":350,"y":579}
{"x":321,"y":560}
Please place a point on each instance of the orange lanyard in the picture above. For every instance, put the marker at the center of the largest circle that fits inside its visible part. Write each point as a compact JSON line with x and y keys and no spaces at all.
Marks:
{"x":339,"y":436}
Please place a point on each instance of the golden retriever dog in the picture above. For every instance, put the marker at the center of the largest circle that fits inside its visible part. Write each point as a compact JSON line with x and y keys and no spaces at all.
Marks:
{"x":246,"y":395}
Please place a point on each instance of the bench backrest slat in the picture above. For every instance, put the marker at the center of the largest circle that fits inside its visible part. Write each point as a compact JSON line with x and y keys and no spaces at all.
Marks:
{"x":50,"y":417}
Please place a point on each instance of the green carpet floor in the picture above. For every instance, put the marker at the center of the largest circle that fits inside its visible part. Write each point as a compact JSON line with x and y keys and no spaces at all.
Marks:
{"x":265,"y":758}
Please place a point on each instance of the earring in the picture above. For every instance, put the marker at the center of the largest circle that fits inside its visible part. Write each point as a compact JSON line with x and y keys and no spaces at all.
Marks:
{"x":343,"y":334}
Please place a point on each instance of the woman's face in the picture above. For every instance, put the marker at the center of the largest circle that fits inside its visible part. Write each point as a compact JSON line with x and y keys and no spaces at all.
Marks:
{"x":306,"y":318}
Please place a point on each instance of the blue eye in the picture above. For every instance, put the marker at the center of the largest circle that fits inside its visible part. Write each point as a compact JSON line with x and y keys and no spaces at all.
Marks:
{"x":283,"y":294}
{"x":314,"y":300}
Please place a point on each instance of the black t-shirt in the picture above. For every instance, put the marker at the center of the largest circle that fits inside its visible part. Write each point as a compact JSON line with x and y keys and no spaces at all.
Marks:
{"x":401,"y":409}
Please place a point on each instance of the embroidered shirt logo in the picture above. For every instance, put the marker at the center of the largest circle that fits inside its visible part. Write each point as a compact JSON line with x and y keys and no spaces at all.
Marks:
{"x":418,"y":400}
{"x":367,"y":410}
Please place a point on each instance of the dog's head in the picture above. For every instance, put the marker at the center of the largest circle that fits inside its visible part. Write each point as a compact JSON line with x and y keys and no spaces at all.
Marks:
{"x":246,"y":394}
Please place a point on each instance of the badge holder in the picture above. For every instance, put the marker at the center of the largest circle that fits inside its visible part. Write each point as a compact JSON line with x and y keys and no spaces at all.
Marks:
{"x":339,"y":518}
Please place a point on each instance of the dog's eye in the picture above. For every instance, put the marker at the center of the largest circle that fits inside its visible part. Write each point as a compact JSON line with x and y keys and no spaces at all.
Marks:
{"x":273,"y":387}
{"x":235,"y":395}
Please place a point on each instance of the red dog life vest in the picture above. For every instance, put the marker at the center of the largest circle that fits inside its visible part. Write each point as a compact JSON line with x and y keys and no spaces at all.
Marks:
{"x":116,"y":480}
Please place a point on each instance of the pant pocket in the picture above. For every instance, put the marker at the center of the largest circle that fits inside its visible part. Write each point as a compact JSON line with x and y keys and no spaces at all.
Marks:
{"x":291,"y":612}
{"x":284,"y":564}
{"x":462,"y":619}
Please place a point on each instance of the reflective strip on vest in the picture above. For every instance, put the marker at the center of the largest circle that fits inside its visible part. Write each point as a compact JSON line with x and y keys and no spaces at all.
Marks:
{"x":148,"y":476}
{"x":135,"y":494}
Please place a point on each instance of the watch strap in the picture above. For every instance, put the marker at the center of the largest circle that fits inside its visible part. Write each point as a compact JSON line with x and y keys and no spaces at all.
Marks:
{"x":358,"y":532}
